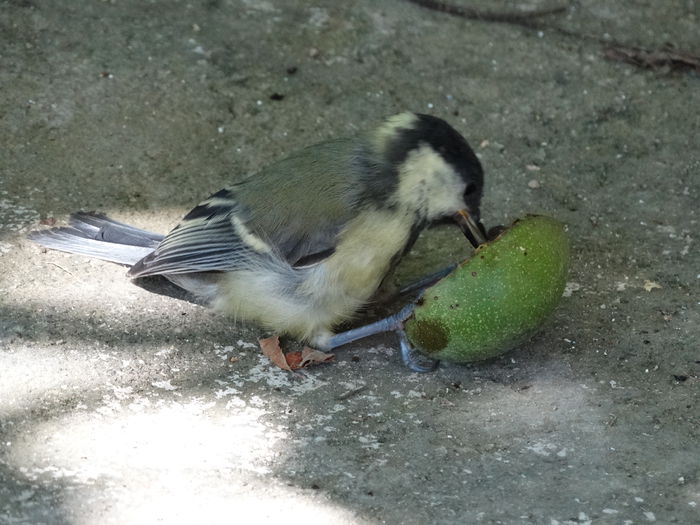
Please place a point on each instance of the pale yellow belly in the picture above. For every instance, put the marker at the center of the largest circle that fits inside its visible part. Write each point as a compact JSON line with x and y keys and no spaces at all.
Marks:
{"x":330,"y":291}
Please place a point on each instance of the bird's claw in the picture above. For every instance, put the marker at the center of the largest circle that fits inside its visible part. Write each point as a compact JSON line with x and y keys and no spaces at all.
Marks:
{"x":412,"y":359}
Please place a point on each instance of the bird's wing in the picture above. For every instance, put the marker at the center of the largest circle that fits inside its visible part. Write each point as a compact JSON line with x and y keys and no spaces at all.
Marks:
{"x":292,"y":211}
{"x":301,"y":204}
{"x":206,"y":240}
{"x":220,"y":235}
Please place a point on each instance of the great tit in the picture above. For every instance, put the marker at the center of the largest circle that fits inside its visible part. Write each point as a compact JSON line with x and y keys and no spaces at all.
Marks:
{"x":303,"y":244}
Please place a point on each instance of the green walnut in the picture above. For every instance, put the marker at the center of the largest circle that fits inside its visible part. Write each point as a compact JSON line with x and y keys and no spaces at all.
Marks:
{"x":496,"y":299}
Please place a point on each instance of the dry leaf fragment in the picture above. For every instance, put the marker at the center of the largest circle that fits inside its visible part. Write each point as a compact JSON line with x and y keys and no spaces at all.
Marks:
{"x":650,"y":285}
{"x":292,"y":360}
{"x":270,"y":346}
{"x":310,"y":356}
{"x":307,"y":357}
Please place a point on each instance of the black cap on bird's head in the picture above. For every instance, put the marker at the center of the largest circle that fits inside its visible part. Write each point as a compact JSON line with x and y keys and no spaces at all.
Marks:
{"x":440,"y":173}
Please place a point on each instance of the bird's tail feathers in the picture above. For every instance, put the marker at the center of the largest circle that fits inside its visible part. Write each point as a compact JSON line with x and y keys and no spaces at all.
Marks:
{"x":100,"y":227}
{"x":96,"y":235}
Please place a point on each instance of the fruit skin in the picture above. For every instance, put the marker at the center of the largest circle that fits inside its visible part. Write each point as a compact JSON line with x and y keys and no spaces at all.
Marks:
{"x":496,"y":299}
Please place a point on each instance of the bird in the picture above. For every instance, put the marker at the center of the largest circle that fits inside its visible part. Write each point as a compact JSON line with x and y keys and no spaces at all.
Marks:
{"x":300,"y":246}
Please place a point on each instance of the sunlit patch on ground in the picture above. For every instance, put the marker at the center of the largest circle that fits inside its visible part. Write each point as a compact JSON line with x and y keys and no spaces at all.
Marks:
{"x":179,"y":462}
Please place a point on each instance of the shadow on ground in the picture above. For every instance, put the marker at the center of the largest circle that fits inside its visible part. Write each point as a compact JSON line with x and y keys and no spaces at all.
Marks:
{"x":120,"y":406}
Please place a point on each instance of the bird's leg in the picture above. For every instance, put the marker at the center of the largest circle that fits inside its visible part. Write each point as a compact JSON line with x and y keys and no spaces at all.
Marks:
{"x":475,"y":233}
{"x":388,"y":292}
{"x":425,"y":282}
{"x":388,"y":324}
{"x":393,"y":323}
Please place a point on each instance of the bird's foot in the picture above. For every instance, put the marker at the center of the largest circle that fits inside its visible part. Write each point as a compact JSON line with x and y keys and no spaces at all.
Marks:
{"x":393,"y":323}
{"x":413,"y":359}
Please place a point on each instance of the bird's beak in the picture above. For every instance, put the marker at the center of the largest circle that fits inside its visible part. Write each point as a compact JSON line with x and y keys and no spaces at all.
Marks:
{"x":472,"y":229}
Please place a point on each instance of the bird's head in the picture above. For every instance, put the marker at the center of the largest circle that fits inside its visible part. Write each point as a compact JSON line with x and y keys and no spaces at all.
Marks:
{"x":436,"y":174}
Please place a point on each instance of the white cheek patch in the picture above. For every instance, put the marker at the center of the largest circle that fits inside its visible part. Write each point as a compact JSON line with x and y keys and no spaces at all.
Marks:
{"x":429,"y":185}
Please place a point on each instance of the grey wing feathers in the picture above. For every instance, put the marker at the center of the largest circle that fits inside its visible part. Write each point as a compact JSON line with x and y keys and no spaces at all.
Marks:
{"x":205,"y":241}
{"x":270,"y":217}
{"x":97,"y":236}
{"x":204,"y":247}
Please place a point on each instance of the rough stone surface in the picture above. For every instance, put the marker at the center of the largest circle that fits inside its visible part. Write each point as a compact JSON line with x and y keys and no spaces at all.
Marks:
{"x":121,"y":406}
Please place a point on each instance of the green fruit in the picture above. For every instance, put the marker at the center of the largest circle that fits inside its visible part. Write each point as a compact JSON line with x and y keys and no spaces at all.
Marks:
{"x":496,"y":299}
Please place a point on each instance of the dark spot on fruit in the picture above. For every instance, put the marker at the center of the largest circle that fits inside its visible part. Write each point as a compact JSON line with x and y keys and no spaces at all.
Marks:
{"x":680,"y":378}
{"x":420,"y":301}
{"x":473,"y":274}
{"x":524,"y":253}
{"x":430,"y":336}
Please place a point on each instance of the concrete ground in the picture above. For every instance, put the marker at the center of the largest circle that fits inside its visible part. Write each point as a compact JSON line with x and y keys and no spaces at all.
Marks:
{"x":120,"y":406}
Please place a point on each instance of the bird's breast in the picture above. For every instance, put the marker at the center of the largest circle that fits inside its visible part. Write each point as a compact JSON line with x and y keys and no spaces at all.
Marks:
{"x":364,"y":254}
